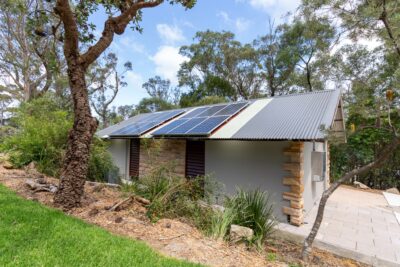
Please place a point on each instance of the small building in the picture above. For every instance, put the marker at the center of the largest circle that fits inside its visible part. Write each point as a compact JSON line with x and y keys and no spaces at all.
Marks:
{"x":276,"y":144}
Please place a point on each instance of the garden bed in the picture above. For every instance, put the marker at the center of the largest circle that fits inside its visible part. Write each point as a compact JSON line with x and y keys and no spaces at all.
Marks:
{"x":176,"y":238}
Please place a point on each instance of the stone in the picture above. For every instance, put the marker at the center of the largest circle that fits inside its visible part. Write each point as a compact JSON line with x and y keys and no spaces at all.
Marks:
{"x":393,"y":190}
{"x":7,"y":165}
{"x":240,"y":233}
{"x":360,"y":185}
{"x":93,"y":212}
{"x":118,"y":220}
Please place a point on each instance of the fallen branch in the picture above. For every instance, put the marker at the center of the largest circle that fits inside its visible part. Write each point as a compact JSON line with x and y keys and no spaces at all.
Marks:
{"x":40,"y":187}
{"x":129,"y":199}
{"x":105,"y":184}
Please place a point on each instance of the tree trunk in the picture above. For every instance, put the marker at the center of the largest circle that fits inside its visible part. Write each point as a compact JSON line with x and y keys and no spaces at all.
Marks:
{"x":74,"y":170}
{"x":309,"y":77}
{"x":385,"y":153}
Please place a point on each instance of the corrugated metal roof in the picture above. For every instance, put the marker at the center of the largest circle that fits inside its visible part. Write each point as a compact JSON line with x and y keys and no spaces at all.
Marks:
{"x":293,"y":117}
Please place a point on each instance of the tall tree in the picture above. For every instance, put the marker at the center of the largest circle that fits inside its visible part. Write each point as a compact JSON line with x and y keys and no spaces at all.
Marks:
{"x":377,"y":19}
{"x":220,"y":65}
{"x":278,"y":59}
{"x":80,"y":51}
{"x":105,"y":82}
{"x":309,"y":38}
{"x":28,"y":65}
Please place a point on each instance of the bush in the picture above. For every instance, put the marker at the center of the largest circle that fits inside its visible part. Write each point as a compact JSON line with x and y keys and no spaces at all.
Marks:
{"x":176,"y":197}
{"x":247,"y":208}
{"x":41,"y":134}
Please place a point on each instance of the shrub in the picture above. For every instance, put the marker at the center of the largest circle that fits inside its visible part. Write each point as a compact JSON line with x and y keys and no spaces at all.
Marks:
{"x":41,"y":134}
{"x":247,"y":208}
{"x":176,"y":197}
{"x":253,"y":210}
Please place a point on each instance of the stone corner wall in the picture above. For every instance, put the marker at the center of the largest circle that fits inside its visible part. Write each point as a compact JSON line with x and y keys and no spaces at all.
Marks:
{"x":155,"y":153}
{"x":294,"y":180}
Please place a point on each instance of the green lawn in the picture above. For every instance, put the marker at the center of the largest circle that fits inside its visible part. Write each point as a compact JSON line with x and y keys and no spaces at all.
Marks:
{"x":34,"y":235}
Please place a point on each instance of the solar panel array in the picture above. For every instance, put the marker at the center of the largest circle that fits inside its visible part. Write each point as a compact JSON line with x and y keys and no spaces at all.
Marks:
{"x":201,"y":121}
{"x":146,"y":123}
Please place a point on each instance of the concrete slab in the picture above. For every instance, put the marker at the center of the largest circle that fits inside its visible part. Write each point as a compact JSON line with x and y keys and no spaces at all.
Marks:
{"x":392,"y":199}
{"x":357,"y":224}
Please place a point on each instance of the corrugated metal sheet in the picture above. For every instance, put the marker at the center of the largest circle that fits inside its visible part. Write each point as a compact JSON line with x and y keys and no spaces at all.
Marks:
{"x":293,"y":117}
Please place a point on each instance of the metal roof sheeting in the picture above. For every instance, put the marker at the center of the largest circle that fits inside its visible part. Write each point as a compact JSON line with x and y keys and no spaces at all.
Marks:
{"x":293,"y":117}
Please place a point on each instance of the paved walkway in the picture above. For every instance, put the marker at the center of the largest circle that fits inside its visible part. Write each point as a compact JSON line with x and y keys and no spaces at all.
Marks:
{"x":356,"y":224}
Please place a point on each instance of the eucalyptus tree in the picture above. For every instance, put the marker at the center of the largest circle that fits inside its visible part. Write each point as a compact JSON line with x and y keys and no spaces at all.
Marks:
{"x":220,"y":65}
{"x":105,"y":81}
{"x":81,"y":49}
{"x":278,"y":59}
{"x":369,"y":19}
{"x":308,"y":38}
{"x":28,"y":65}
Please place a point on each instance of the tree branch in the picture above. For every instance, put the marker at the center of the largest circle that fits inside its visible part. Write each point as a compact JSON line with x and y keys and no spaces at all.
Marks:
{"x":385,"y":20}
{"x":385,"y":154}
{"x":114,"y":25}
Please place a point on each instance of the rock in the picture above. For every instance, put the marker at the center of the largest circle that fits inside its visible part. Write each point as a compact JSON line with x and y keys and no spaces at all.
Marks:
{"x":240,"y":233}
{"x":118,"y":220}
{"x":168,"y":225}
{"x":7,"y":165}
{"x":360,"y":185}
{"x":393,"y":190}
{"x":217,"y":208}
{"x":93,"y":212}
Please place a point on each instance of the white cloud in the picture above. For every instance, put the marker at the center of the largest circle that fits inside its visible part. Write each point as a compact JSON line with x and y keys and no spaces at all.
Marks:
{"x":168,"y":61}
{"x":272,"y":5}
{"x":225,"y":17}
{"x":133,"y":92}
{"x":170,"y":34}
{"x":242,"y":24}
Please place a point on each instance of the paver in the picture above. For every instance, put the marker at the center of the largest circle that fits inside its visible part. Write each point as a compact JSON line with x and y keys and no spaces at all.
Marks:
{"x":361,"y":222}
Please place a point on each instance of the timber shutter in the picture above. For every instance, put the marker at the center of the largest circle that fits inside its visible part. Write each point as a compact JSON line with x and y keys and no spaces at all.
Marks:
{"x":134,"y":156}
{"x":195,"y":158}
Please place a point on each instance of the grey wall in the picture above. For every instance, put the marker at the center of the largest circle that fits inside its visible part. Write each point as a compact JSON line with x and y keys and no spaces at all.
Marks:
{"x":119,"y":150}
{"x":251,"y":165}
{"x":312,"y":190}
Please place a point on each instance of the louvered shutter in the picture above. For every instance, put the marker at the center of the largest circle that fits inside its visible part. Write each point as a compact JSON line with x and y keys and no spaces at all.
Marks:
{"x":195,"y":157}
{"x":134,"y":157}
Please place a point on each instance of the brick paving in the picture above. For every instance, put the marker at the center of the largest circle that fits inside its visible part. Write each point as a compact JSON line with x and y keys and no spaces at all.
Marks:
{"x":357,"y":223}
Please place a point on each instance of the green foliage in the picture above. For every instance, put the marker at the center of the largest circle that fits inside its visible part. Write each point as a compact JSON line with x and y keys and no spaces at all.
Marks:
{"x":41,"y":136}
{"x":175,"y":197}
{"x":253,"y":210}
{"x":42,"y":131}
{"x":247,"y":208}
{"x":272,"y":256}
{"x":153,"y":104}
{"x":100,"y":161}
{"x":34,"y":235}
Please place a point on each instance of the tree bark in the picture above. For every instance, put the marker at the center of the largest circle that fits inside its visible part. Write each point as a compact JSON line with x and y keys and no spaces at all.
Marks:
{"x":385,"y":153}
{"x":75,"y":167}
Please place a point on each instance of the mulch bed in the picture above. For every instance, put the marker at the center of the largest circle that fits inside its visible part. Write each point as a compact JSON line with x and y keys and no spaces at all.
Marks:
{"x":174,"y":238}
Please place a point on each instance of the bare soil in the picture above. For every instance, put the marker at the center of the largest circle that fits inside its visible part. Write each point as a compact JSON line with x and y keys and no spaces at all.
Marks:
{"x":174,"y":238}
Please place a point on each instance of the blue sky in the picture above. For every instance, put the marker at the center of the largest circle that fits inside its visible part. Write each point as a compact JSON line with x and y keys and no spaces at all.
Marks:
{"x":166,"y":28}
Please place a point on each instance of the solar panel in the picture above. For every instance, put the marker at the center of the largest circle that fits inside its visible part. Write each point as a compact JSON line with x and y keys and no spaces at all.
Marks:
{"x":183,"y":128}
{"x":146,"y":123}
{"x":207,"y":126}
{"x":195,"y":112}
{"x":201,"y":121}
